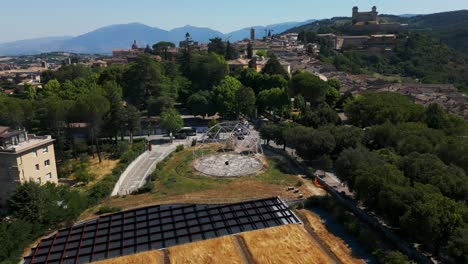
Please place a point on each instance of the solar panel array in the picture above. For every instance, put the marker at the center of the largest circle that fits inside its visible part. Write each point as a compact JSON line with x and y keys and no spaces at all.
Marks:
{"x":157,"y":227}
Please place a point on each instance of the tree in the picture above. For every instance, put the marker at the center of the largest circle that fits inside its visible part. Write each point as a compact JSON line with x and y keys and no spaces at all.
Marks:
{"x":15,"y":236}
{"x":81,"y":173}
{"x":326,"y":163}
{"x":132,"y":120}
{"x":206,"y":71}
{"x":217,"y":46}
{"x":161,"y":48}
{"x":156,"y":106}
{"x":273,"y":66}
{"x":231,"y":52}
{"x":51,"y":112}
{"x":310,"y":86}
{"x":171,"y":121}
{"x":142,"y":79}
{"x":200,"y":103}
{"x":347,"y":137}
{"x":114,"y":118}
{"x":396,"y":257}
{"x":436,"y":117}
{"x":224,"y":96}
{"x":334,"y":83}
{"x":67,"y":72}
{"x":275,"y":99}
{"x":458,"y":245}
{"x":251,"y":78}
{"x":429,"y":169}
{"x":249,"y":51}
{"x":91,"y":108}
{"x":45,"y":205}
{"x":261,"y":53}
{"x":454,"y":151}
{"x":15,"y":113}
{"x":433,"y":219}
{"x":332,"y":97}
{"x":245,"y":101}
{"x":113,"y":73}
{"x":267,"y":132}
{"x":377,"y":108}
{"x":351,"y":160}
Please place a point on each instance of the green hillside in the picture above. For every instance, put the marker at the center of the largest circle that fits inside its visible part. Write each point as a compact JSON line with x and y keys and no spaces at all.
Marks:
{"x":449,"y":27}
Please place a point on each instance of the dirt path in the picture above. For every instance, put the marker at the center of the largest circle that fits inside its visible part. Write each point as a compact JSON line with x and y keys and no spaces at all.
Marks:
{"x":335,"y":244}
{"x":316,"y":238}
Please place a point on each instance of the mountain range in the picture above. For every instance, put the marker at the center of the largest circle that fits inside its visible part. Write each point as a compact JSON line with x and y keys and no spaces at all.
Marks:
{"x":121,"y":36}
{"x":450,"y":27}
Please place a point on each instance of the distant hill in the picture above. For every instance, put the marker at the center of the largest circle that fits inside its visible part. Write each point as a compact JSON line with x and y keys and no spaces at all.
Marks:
{"x":260,"y":30}
{"x":450,"y":27}
{"x":408,"y":15}
{"x":32,"y":46}
{"x":104,"y":39}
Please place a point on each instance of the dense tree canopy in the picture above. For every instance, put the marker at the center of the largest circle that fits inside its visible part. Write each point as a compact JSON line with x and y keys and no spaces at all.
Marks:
{"x":207,"y":70}
{"x":378,"y":108}
{"x":310,"y":86}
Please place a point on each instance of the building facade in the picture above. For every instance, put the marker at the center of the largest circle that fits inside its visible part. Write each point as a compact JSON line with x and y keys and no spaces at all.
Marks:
{"x":365,"y":17}
{"x":24,"y":158}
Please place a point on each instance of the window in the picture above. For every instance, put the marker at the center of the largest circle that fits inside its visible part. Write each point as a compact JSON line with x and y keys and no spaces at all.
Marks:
{"x":35,"y":153}
{"x":37,"y":167}
{"x":38,"y":180}
{"x":45,"y":150}
{"x":49,"y":176}
{"x":47,"y":163}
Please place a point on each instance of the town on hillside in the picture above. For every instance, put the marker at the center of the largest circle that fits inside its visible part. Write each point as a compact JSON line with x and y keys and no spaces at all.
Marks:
{"x":342,"y":140}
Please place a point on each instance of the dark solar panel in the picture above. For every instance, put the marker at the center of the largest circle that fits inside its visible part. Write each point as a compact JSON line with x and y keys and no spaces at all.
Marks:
{"x":157,"y":227}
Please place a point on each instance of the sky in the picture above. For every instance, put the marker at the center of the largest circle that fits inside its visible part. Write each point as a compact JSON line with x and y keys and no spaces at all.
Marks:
{"x":26,"y":19}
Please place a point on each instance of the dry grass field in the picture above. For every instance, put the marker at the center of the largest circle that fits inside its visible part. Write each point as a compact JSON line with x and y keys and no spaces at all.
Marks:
{"x":214,"y":251}
{"x":281,"y":245}
{"x":284,"y":244}
{"x":150,"y":257}
{"x":101,"y":169}
{"x":336,"y":244}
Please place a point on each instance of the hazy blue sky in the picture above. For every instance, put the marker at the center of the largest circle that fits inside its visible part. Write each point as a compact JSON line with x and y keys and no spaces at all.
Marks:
{"x":23,"y":19}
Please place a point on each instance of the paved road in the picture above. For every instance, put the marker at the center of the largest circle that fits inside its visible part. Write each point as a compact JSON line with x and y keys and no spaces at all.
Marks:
{"x":136,"y":175}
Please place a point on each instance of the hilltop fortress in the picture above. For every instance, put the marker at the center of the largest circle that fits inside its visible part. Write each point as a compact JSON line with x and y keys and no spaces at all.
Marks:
{"x":365,"y":17}
{"x":369,"y":23}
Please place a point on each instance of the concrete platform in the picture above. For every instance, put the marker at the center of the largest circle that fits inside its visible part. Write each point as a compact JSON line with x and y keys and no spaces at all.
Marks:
{"x":228,"y":165}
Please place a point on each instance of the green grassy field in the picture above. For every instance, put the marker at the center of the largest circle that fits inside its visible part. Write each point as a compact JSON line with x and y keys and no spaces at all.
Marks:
{"x":176,"y":176}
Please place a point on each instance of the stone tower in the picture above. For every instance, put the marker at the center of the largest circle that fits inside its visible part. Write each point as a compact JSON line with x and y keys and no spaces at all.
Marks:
{"x":135,"y":45}
{"x":252,"y":34}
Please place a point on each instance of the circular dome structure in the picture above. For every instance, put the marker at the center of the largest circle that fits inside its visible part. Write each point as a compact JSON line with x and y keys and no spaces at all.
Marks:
{"x":237,"y":153}
{"x":235,"y":137}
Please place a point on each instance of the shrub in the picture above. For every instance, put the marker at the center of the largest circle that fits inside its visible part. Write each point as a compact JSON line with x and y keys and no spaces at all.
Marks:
{"x":119,"y":149}
{"x":299,"y":183}
{"x":102,"y":189}
{"x":194,"y":142}
{"x":179,"y":148}
{"x":353,"y":228}
{"x":148,"y":187}
{"x":128,"y":156}
{"x":107,"y":209}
